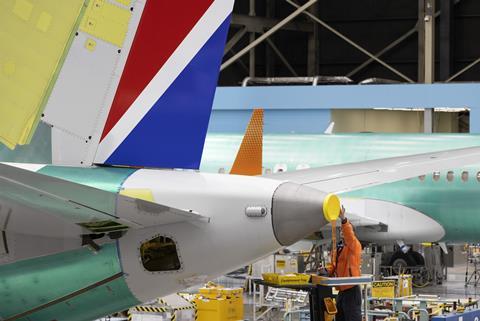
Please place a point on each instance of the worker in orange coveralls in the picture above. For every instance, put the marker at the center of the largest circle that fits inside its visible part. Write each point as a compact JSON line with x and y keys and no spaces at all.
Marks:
{"x":349,"y":253}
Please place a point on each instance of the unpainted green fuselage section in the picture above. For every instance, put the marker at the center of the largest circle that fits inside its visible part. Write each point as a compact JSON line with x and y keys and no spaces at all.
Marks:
{"x":78,"y":285}
{"x":454,"y":204}
{"x":47,"y":281}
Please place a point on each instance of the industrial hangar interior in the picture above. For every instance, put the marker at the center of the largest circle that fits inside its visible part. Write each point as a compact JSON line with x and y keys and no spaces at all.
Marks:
{"x":227,"y":160}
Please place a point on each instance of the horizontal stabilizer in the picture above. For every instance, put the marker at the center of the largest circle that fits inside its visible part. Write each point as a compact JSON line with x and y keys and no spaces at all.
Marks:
{"x":42,"y":205}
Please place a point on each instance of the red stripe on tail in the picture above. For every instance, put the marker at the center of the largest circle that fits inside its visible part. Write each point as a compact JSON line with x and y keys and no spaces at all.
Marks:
{"x":164,"y":25}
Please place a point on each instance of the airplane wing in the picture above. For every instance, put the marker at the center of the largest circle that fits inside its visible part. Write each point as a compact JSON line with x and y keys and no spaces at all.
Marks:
{"x":37,"y":204}
{"x":354,"y":176}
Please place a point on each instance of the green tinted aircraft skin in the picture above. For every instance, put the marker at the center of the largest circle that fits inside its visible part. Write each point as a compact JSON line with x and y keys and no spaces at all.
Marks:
{"x":31,"y":283}
{"x":454,"y":204}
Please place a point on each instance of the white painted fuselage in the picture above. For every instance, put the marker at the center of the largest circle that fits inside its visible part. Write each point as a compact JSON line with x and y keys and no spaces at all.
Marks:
{"x":206,"y":249}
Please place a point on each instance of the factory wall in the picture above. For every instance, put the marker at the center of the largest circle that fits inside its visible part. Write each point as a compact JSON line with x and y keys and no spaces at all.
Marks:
{"x":391,"y":121}
{"x":309,"y":109}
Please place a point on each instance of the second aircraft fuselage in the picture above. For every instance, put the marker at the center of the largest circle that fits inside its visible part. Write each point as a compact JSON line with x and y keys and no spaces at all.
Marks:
{"x":451,"y":198}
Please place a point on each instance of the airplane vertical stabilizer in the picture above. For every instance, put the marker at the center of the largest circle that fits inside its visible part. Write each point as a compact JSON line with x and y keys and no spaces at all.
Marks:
{"x":249,"y":157}
{"x":138,"y":85}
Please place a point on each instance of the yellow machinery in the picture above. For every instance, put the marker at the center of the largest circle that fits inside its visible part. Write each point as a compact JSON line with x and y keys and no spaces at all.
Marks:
{"x":216,"y":303}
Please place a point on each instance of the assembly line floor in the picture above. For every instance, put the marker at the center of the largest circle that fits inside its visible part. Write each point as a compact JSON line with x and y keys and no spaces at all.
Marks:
{"x":454,"y":286}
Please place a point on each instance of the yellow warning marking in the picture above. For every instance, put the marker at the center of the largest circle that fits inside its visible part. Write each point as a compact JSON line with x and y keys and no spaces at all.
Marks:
{"x":44,"y":21}
{"x":23,"y":9}
{"x":28,"y":68}
{"x":106,"y":21}
{"x":90,"y":44}
{"x":150,"y":309}
{"x":383,"y":289}
{"x":140,"y":193}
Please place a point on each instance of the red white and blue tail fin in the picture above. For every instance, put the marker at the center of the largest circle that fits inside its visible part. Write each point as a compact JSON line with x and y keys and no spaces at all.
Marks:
{"x":160,"y":113}
{"x":159,"y":102}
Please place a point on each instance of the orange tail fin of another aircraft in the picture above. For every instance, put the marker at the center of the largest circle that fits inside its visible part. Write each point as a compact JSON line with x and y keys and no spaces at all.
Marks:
{"x":249,"y":157}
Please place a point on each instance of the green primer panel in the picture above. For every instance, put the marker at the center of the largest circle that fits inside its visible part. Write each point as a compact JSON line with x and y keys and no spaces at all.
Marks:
{"x":107,"y":299}
{"x":452,"y":204}
{"x":103,"y":199}
{"x":39,"y":151}
{"x":109,"y":179}
{"x":31,"y":283}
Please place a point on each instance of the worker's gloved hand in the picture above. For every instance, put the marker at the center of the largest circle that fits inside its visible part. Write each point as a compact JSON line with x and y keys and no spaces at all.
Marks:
{"x":342,"y":214}
{"x":322,"y":271}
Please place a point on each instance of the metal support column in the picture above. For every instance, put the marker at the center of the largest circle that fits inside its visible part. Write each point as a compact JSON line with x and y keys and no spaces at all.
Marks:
{"x":251,"y":60}
{"x":313,"y":45}
{"x":446,"y":35}
{"x":421,"y":41}
{"x":429,"y":41}
{"x":428,"y":57}
{"x":269,"y":55}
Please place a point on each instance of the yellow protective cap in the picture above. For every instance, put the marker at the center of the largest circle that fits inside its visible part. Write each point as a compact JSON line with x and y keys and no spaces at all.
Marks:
{"x":331,"y":207}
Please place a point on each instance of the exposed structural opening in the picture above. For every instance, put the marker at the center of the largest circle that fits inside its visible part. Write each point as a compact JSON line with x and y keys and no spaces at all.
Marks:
{"x":160,"y":254}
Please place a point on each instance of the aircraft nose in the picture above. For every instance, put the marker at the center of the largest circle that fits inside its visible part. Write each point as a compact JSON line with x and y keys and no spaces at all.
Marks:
{"x":298,"y":211}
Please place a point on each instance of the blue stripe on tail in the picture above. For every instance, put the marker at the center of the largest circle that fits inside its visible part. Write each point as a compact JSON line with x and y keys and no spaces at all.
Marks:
{"x":172,"y":133}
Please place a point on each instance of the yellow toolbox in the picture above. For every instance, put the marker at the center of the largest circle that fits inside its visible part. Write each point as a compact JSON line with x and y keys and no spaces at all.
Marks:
{"x":216,"y":303}
{"x":220,"y":292}
{"x":286,"y":279}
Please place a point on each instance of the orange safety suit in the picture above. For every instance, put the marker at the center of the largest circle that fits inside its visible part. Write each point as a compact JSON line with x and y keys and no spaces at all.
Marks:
{"x":349,"y":257}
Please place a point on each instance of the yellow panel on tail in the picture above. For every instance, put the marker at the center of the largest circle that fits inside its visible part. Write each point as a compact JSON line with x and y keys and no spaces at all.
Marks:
{"x":140,"y":193}
{"x":106,"y":21}
{"x":34,"y":35}
{"x":249,"y":156}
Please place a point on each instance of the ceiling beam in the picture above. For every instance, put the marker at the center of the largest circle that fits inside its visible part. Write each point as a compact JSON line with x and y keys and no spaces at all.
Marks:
{"x":261,"y":24}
